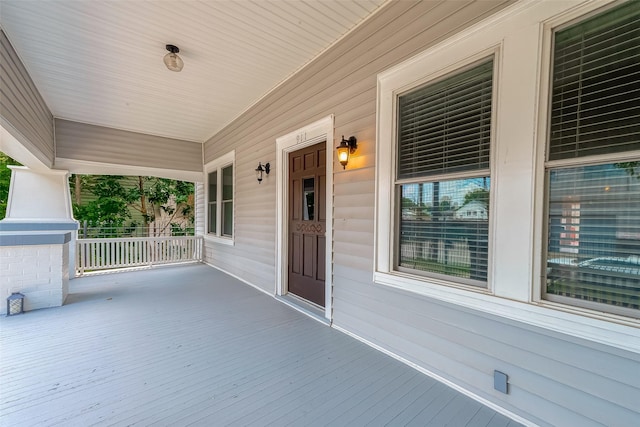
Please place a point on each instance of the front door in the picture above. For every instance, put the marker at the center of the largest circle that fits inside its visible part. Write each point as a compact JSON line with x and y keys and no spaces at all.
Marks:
{"x":307,"y":223}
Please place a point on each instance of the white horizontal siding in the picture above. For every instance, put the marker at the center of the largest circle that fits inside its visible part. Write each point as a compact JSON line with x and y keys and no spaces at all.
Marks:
{"x":89,"y":143}
{"x":23,"y":111}
{"x":554,"y":379}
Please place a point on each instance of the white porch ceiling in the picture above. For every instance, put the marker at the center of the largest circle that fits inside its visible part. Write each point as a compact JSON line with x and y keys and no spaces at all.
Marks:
{"x":100,"y":62}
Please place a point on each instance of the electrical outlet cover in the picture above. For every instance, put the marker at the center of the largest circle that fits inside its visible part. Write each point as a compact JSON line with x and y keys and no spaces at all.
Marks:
{"x":500,"y":381}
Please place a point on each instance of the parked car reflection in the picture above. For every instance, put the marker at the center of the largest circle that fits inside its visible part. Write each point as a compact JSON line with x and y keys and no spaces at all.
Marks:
{"x":628,"y":265}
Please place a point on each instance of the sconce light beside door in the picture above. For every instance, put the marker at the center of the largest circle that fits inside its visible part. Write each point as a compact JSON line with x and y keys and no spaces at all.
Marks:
{"x":346,"y":147}
{"x":262,"y":169}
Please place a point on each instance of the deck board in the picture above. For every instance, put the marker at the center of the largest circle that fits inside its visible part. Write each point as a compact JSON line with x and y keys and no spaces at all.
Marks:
{"x":190,"y":345}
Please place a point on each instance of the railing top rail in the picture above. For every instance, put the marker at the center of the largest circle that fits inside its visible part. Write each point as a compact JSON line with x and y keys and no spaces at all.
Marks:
{"x":136,"y":239}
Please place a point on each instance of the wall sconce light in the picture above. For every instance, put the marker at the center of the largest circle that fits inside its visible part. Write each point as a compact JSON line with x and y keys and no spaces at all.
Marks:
{"x":346,"y":147}
{"x":262,"y":169}
{"x":15,"y":304}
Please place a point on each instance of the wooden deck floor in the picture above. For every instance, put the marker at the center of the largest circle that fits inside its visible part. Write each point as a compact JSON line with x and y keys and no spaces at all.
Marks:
{"x":190,"y":345}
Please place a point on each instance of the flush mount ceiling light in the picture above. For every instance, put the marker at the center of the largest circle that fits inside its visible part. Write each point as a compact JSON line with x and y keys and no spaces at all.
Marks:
{"x":172,"y":60}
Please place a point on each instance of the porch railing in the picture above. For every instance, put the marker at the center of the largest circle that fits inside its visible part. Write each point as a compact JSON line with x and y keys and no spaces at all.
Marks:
{"x":107,"y":254}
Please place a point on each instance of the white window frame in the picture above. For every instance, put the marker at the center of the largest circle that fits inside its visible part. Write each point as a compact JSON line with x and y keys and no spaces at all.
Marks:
{"x":398,"y":81}
{"x":551,"y":26}
{"x":217,"y":165}
{"x":427,"y":276}
{"x":517,"y":172}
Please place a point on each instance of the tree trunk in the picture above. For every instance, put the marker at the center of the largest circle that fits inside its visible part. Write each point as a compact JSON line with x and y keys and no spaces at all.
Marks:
{"x":78,"y":189}
{"x":143,"y":205}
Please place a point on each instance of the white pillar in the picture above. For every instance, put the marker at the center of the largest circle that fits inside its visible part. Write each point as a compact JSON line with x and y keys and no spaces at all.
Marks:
{"x":38,"y":195}
{"x":40,"y":201}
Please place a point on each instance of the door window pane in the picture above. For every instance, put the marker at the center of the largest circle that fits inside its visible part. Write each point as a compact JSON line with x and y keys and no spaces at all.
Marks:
{"x":308,"y":188}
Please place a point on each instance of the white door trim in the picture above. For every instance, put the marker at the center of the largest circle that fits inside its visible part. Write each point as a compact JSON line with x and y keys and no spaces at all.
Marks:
{"x":314,"y":133}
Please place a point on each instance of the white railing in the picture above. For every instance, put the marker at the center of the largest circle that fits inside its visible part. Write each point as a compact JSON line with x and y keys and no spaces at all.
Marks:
{"x":107,"y":254}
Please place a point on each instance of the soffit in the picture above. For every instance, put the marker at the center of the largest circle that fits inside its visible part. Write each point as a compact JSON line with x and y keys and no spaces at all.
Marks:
{"x":100,"y":62}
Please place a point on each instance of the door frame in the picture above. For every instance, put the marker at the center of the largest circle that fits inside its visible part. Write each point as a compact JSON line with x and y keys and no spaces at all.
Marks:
{"x":314,"y":133}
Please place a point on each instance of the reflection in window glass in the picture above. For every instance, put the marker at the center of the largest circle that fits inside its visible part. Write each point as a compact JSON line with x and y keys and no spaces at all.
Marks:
{"x":227,"y":183}
{"x":227,"y":219}
{"x":594,"y":233}
{"x":444,"y":228}
{"x":227,"y":201}
{"x":308,"y":187}
{"x":213,"y":197}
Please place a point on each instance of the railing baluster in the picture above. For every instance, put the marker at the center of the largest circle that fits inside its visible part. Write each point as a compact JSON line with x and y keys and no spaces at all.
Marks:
{"x":105,"y":253}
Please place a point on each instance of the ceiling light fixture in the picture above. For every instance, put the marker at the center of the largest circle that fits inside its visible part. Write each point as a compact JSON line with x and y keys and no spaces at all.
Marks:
{"x":172,"y":60}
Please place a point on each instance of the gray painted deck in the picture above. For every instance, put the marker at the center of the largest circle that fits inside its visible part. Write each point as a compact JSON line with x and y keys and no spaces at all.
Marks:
{"x":190,"y":345}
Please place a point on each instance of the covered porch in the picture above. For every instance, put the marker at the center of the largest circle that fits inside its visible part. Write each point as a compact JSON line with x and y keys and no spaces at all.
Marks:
{"x":191,"y":345}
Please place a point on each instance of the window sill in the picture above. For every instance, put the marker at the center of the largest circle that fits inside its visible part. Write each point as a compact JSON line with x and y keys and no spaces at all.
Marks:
{"x":615,"y":331}
{"x":221,"y":240}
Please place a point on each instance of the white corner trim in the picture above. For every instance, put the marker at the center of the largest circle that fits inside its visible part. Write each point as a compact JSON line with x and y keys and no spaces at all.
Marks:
{"x":439,"y":378}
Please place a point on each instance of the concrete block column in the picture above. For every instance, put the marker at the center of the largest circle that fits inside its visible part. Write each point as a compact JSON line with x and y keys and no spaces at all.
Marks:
{"x":37,"y":238}
{"x":35,"y":264}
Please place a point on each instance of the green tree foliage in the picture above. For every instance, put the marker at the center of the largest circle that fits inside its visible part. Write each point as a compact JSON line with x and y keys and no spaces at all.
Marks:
{"x":480,"y":195}
{"x":408,"y":203}
{"x":632,"y":168}
{"x":114,"y":199}
{"x":110,"y":208}
{"x":5,"y":180}
{"x":164,"y":198}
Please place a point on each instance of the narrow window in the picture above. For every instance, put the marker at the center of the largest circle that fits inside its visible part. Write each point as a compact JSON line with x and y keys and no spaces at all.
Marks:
{"x":220,"y":188}
{"x":593,"y":164}
{"x":443,"y":177}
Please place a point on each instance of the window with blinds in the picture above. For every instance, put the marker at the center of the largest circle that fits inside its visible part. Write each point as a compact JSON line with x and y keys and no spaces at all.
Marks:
{"x":596,"y":85}
{"x":593,"y":218}
{"x":444,"y":128}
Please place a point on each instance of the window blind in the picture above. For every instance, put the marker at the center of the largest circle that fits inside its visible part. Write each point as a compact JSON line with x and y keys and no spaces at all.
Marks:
{"x":596,"y":85}
{"x":445,"y":127}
